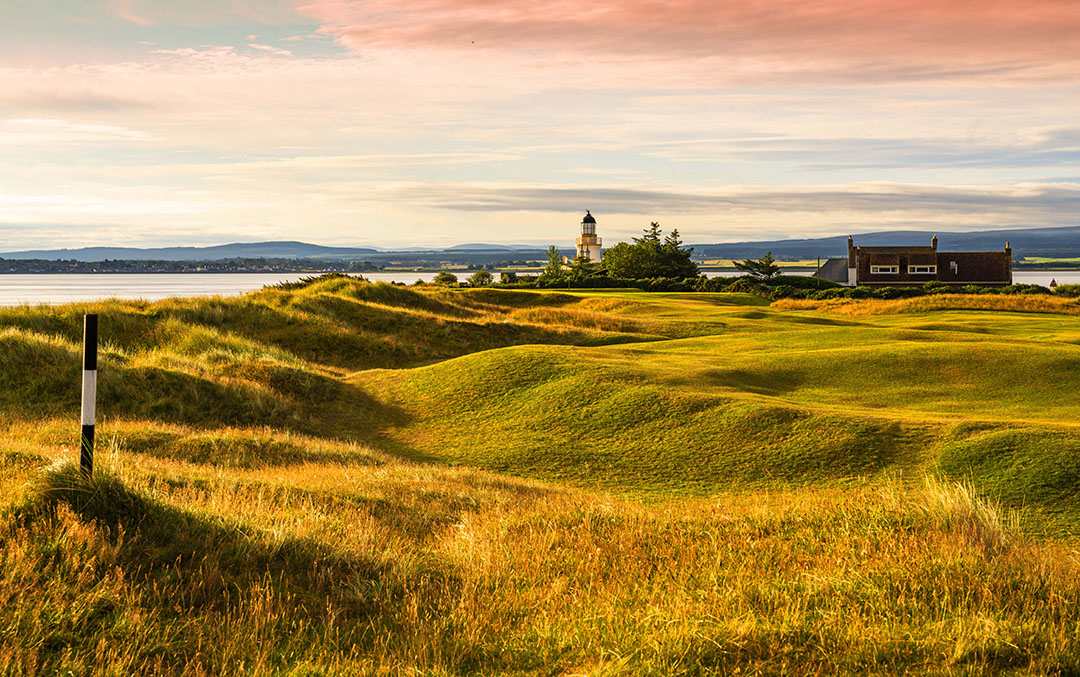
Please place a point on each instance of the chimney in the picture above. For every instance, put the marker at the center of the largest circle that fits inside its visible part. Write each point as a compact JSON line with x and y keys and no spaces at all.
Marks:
{"x":933,"y":243}
{"x":850,"y":252}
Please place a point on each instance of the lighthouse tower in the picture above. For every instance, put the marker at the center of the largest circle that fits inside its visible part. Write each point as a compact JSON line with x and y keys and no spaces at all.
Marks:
{"x":588,"y":244}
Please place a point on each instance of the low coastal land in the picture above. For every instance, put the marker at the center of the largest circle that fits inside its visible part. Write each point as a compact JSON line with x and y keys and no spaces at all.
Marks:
{"x":339,"y":477}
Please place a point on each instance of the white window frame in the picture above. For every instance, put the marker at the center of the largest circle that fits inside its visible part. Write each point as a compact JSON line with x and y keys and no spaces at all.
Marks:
{"x":884,"y":270}
{"x":922,"y":270}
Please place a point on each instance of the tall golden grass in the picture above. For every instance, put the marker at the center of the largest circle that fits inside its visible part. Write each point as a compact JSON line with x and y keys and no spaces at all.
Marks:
{"x":1020,"y":303}
{"x":372,"y":565}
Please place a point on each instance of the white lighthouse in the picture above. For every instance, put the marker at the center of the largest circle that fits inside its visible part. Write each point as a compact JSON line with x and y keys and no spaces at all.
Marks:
{"x":588,"y":244}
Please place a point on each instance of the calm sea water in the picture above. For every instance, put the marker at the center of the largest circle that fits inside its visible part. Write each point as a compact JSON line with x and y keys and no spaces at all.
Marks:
{"x":46,"y":288}
{"x":16,"y":289}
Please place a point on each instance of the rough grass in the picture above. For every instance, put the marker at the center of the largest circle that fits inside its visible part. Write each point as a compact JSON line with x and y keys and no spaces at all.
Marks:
{"x":163,"y":566}
{"x":1019,"y":303}
{"x":365,"y":479}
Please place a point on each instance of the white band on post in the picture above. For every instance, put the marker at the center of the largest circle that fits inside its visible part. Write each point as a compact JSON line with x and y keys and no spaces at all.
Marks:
{"x":89,"y":397}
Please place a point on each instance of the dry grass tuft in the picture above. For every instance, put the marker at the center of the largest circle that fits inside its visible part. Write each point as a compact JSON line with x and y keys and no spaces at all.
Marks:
{"x":956,"y":508}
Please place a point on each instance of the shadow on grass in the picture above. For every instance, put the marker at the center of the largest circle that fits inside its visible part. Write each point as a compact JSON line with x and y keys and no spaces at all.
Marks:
{"x":159,"y":579}
{"x":203,"y":560}
{"x":761,"y":381}
{"x":40,"y":379}
{"x":245,"y":449}
{"x":811,"y":319}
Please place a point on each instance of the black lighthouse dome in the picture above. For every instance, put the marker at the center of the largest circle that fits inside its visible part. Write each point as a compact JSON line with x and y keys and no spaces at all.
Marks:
{"x":588,"y":218}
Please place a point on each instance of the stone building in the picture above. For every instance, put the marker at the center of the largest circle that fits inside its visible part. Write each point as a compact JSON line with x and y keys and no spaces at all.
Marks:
{"x":916,"y":265}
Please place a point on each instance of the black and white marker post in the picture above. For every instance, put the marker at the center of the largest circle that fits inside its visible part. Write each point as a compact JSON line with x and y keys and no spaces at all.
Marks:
{"x":89,"y":392}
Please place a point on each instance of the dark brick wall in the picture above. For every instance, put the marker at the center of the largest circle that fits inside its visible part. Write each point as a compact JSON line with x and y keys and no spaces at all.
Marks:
{"x":982,"y":268}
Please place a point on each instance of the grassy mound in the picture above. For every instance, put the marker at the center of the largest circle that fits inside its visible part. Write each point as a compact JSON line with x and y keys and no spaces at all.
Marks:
{"x":816,"y":403}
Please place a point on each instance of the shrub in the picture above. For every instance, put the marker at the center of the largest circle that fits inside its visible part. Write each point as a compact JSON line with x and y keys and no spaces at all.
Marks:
{"x":1024,"y":289}
{"x":445,"y":278}
{"x":711,"y":284}
{"x":1070,"y":290}
{"x":896,"y":292}
{"x":481,"y":278}
{"x":825,"y":294}
{"x":743,"y":285}
{"x":860,"y":292}
{"x":802,"y":282}
{"x":785,"y":292}
{"x":305,"y":282}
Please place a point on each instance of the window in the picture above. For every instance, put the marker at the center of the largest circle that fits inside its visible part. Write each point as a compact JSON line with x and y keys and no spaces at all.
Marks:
{"x":922,"y":270}
{"x":884,"y":270}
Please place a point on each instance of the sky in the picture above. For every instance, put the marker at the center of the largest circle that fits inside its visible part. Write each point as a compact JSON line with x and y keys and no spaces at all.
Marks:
{"x":401,"y":123}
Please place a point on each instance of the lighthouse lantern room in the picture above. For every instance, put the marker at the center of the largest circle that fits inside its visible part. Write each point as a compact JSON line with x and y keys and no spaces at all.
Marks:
{"x":588,"y":244}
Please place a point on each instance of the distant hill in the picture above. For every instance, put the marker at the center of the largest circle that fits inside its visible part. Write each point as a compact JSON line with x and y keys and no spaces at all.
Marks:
{"x":282,"y":250}
{"x":1051,"y":242}
{"x":1054,"y":242}
{"x":478,"y":247}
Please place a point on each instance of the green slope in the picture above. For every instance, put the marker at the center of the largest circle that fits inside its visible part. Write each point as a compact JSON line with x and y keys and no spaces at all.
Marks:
{"x":639,"y":392}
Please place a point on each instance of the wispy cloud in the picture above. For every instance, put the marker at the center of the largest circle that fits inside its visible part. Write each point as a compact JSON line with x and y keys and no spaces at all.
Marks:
{"x":457,"y":120}
{"x":33,"y":131}
{"x":795,"y":209}
{"x":270,"y":49}
{"x":1032,"y":148}
{"x":845,"y":39}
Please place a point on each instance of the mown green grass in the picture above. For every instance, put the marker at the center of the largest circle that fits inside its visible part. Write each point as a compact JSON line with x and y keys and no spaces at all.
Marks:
{"x":364,"y":479}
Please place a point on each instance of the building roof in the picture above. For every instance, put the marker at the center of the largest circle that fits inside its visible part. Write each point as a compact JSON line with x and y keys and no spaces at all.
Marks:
{"x":895,"y":250}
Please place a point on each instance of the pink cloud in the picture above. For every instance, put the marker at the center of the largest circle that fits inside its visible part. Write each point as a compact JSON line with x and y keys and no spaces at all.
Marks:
{"x":899,"y":40}
{"x":123,"y":10}
{"x":269,"y":49}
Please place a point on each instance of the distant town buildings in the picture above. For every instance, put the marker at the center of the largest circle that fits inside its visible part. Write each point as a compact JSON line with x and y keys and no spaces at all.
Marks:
{"x":588,"y":243}
{"x":916,"y":265}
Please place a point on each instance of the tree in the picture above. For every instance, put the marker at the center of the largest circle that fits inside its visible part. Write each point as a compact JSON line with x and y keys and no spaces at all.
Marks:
{"x":675,"y":259}
{"x":445,"y":278}
{"x":651,"y":236}
{"x":762,"y":269}
{"x":554,"y":267}
{"x":650,"y":256}
{"x":508,"y":277}
{"x":629,"y":261}
{"x":481,"y":278}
